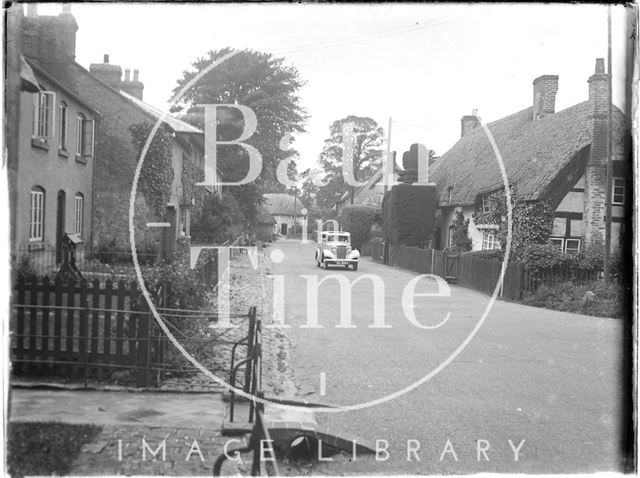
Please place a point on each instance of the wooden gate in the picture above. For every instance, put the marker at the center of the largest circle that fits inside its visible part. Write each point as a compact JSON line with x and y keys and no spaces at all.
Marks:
{"x":451,"y":264}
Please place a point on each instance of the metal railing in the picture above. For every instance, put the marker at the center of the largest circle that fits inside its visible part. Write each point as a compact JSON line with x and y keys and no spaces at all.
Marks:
{"x":260,"y":442}
{"x":252,"y":364}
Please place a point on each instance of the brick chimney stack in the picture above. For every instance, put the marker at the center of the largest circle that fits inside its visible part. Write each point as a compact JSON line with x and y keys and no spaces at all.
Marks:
{"x":48,"y":38}
{"x":545,"y":88}
{"x":110,"y":74}
{"x":596,"y":171}
{"x":133,"y":87}
{"x":468,"y":123}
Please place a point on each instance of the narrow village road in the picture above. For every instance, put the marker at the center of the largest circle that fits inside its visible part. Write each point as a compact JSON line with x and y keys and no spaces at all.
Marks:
{"x":546,"y":381}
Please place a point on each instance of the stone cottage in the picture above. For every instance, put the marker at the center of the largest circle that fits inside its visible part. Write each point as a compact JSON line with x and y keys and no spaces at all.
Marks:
{"x":559,"y":157}
{"x":52,"y":163}
{"x":120,"y":101}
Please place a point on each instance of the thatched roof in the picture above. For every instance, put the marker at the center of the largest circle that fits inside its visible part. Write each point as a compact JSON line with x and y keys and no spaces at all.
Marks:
{"x":534,"y":152}
{"x":283,"y":205}
{"x":264,"y":217}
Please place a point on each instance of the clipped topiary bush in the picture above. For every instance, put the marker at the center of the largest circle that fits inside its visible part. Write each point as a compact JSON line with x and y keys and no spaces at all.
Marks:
{"x":358,"y":221}
{"x":408,"y":212}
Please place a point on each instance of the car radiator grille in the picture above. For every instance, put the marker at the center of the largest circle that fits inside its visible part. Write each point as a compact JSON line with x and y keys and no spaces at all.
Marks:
{"x":341,"y":252}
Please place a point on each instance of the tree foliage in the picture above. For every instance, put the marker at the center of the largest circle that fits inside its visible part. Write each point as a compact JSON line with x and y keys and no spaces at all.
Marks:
{"x":358,"y":221}
{"x":267,"y":86}
{"x":368,"y":138}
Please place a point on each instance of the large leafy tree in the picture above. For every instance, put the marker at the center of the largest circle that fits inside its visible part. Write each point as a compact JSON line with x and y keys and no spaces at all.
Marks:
{"x":368,"y":138}
{"x":261,"y":82}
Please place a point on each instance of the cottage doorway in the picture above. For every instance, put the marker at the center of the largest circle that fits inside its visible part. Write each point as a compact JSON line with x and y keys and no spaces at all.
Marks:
{"x":283,"y":229}
{"x":60,"y":223}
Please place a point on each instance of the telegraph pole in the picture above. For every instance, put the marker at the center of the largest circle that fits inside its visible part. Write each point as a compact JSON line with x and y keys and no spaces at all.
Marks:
{"x":607,"y":230}
{"x":384,"y":166}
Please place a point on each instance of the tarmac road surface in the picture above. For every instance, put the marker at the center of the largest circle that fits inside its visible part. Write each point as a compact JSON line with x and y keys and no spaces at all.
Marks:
{"x":535,"y":391}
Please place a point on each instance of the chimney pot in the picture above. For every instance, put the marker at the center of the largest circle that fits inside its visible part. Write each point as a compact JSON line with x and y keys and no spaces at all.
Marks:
{"x":32,"y":10}
{"x":127,"y":74}
{"x":106,"y":58}
{"x":599,"y":89}
{"x":135,"y":75}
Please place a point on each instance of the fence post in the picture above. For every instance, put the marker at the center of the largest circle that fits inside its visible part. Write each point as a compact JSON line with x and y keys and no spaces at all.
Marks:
{"x":142,"y":342}
{"x":83,"y":331}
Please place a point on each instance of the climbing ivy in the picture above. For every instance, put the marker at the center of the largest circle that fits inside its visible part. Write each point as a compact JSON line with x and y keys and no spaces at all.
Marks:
{"x":156,"y":175}
{"x":532,"y":220}
{"x":191,"y":175}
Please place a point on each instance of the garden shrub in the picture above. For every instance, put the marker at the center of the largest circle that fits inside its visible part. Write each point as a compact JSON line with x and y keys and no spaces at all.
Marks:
{"x":488,"y":254}
{"x":24,"y":268}
{"x":358,"y":221}
{"x":544,"y":256}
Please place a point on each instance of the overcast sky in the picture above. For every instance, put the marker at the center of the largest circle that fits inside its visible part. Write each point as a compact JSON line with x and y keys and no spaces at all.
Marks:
{"x":423,"y":65}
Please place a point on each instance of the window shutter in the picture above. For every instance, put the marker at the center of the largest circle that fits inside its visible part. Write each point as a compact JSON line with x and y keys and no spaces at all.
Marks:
{"x":88,"y":131}
{"x":36,"y":112}
{"x":79,"y":125}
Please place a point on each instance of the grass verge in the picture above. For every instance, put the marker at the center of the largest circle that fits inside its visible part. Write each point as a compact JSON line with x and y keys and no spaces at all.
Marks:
{"x":45,"y":448}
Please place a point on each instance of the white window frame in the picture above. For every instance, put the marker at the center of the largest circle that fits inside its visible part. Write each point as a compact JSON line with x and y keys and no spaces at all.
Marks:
{"x":36,"y":214}
{"x":84,"y":148}
{"x":620,"y":184}
{"x":489,"y":239}
{"x":78,"y":209}
{"x":559,"y":240}
{"x":63,"y":130}
{"x":573,"y":250}
{"x":43,"y":115}
{"x":564,"y":241}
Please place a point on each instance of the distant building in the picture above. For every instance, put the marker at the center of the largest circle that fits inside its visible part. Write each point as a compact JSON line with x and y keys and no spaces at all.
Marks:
{"x":559,"y":157}
{"x":287,"y":211}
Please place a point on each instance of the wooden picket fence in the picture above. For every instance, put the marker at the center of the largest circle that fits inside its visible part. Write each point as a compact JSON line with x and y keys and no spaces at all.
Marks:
{"x":476,"y":272}
{"x":80,"y":329}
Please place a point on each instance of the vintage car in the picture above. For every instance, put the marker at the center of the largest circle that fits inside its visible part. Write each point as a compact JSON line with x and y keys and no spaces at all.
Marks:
{"x":334,"y":249}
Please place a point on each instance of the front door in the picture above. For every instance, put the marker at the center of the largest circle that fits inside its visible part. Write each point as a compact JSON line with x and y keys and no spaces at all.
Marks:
{"x":283,"y":229}
{"x":60,"y":214}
